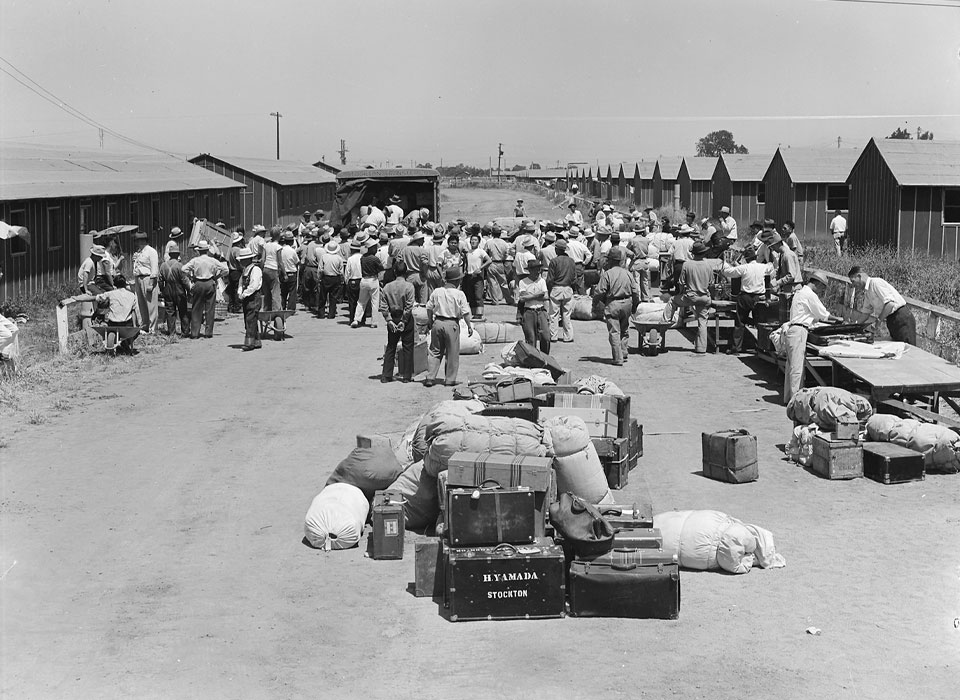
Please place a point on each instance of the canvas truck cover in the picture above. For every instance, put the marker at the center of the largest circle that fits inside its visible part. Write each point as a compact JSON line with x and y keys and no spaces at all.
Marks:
{"x":416,"y":187}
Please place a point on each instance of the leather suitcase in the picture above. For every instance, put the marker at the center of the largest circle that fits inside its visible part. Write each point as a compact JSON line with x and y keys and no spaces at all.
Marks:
{"x":639,"y":515}
{"x":612,"y":448}
{"x":428,"y":568}
{"x":730,"y":455}
{"x":625,"y":590}
{"x":640,"y":557}
{"x":490,"y":468}
{"x":638,"y":538}
{"x":888,"y":463}
{"x":524,"y":410}
{"x":487,"y":517}
{"x":617,"y":472}
{"x":505,"y":582}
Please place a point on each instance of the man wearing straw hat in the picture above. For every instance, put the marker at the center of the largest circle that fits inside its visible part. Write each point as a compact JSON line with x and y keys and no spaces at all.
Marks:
{"x":414,"y":258}
{"x":806,"y":309}
{"x":445,"y":307}
{"x":146,"y":269}
{"x":353,"y":274}
{"x":175,"y":234}
{"x":175,"y":287}
{"x":331,"y":277}
{"x":251,"y":279}
{"x":393,"y":212}
{"x":204,"y":271}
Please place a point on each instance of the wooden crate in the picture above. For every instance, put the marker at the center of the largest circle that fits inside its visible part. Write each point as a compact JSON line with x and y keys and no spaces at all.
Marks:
{"x":837,"y":459}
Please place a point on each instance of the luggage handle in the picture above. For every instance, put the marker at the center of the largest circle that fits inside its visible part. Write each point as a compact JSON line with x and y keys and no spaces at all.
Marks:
{"x":507,"y":548}
{"x":618,"y":566}
{"x":482,"y":486}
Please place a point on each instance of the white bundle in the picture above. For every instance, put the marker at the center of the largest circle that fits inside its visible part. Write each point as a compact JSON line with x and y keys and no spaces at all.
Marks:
{"x":336,"y":516}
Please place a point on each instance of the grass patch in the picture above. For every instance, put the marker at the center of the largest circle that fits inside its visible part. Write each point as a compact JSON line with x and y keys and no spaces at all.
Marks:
{"x":36,"y":418}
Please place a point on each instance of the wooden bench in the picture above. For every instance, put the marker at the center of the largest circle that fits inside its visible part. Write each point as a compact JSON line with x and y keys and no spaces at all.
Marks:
{"x":268,"y":320}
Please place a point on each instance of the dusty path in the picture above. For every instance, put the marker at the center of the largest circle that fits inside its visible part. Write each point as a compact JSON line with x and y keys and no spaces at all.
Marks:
{"x":156,"y":534}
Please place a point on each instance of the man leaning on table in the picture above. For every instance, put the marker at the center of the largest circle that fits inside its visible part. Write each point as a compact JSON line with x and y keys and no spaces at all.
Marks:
{"x":884,"y":303}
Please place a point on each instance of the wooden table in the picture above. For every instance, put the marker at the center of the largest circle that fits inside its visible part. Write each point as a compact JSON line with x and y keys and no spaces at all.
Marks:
{"x":917,"y":373}
{"x":721,"y":312}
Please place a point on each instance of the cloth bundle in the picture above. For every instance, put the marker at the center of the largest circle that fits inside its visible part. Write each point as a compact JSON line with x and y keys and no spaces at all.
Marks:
{"x":336,"y":517}
{"x":575,"y":459}
{"x":595,"y":384}
{"x":491,"y":332}
{"x":472,"y":433}
{"x":940,"y":445}
{"x":825,"y":405}
{"x":586,"y":308}
{"x":440,"y":412}
{"x":708,"y":540}
{"x":540,"y":377}
{"x":469,"y":344}
{"x":420,"y":498}
{"x":370,"y":469}
{"x":800,"y":447}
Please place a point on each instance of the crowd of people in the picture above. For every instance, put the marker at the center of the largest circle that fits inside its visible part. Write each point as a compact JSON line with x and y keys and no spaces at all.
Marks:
{"x":386,"y":261}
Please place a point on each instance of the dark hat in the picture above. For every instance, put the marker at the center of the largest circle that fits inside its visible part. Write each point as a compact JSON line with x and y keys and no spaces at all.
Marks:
{"x":534,"y":262}
{"x":771,"y":238}
{"x":287,"y":236}
{"x":615,"y":254}
{"x":749,"y":254}
{"x":769,"y":223}
{"x":756,"y":224}
{"x":561,"y":244}
{"x":454,"y":274}
{"x":699,"y":248}
{"x":139,"y":236}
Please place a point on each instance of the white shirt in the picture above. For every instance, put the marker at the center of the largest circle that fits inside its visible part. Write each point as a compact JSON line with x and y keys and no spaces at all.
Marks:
{"x":806,"y":308}
{"x":376,"y":218}
{"x":475,"y":259}
{"x":394,"y":214}
{"x":838,"y":226}
{"x":752,"y":275}
{"x":577,"y":251}
{"x":729,"y":227}
{"x":146,"y":262}
{"x":254,"y":278}
{"x":876,"y":295}
{"x":537,"y":286}
{"x":352,"y":269}
{"x":575,"y":218}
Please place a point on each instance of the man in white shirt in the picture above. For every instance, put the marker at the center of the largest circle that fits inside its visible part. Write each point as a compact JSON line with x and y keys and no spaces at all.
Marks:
{"x":575,"y":217}
{"x":753,"y":275}
{"x":532,"y":295}
{"x":884,"y":303}
{"x":477,"y":262}
{"x":728,"y":225}
{"x":806,"y":309}
{"x":271,"y":271}
{"x":251,"y":280}
{"x":255,"y":244}
{"x":445,"y":307}
{"x":394,"y":212}
{"x":146,"y":270}
{"x":578,"y":251}
{"x":838,"y":229}
{"x":375,"y":217}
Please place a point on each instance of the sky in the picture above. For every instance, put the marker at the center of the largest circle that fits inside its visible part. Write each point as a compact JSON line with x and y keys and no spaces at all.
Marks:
{"x":448,"y":80}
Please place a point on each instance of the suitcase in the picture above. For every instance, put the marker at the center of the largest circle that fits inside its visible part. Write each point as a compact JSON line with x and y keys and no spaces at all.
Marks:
{"x":647,"y":591}
{"x":419,"y":356}
{"x":386,"y":537}
{"x":612,"y":448}
{"x":837,"y":459}
{"x":506,"y":582}
{"x":638,"y":538}
{"x":490,"y":468}
{"x":600,"y":422}
{"x":519,"y":389}
{"x":847,"y":429}
{"x":490,"y":516}
{"x":888,"y":463}
{"x":625,"y":557}
{"x":524,"y":410}
{"x":428,"y":568}
{"x":730,"y":455}
{"x":637,"y":516}
{"x":616,"y":471}
{"x":618,"y":405}
{"x":635,"y":442}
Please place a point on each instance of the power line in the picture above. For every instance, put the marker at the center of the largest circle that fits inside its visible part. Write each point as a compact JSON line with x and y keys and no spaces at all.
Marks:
{"x":903,"y":3}
{"x":41,"y":91}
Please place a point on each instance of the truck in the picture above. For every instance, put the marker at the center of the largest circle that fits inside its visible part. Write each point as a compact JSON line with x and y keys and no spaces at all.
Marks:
{"x":416,"y":188}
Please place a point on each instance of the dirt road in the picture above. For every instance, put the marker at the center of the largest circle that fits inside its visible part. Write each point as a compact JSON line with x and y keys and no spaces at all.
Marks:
{"x":151,"y":545}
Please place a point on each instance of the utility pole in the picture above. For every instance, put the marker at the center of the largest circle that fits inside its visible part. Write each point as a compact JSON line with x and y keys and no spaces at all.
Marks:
{"x":277,"y":115}
{"x":489,"y":166}
{"x":838,"y":142}
{"x":343,"y":152}
{"x":499,"y":156}
{"x":918,"y":133}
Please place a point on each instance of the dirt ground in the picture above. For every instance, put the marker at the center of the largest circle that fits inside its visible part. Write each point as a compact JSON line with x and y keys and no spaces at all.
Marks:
{"x":151,"y":543}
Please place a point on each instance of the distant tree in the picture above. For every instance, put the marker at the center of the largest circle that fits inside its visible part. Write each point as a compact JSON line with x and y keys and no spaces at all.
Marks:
{"x":461,"y":170}
{"x":717,"y":142}
{"x":517,"y":168}
{"x":534,"y":166}
{"x":925,"y":136}
{"x":424,"y":165}
{"x":900,"y":133}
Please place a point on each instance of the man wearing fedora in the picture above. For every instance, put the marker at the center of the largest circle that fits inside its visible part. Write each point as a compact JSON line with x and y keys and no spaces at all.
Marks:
{"x":434,"y":260}
{"x":753,"y":275}
{"x":414,"y":260}
{"x":498,"y":288}
{"x":618,"y":291}
{"x":352,"y":274}
{"x":235,"y":268}
{"x":532,"y":297}
{"x":174,"y":240}
{"x":175,"y":288}
{"x":204,"y":271}
{"x":251,"y":279}
{"x":806,"y":309}
{"x":331,"y":270}
{"x":695,"y":279}
{"x":146,"y":269}
{"x":394,"y":212}
{"x":445,"y":307}
{"x":561,"y":278}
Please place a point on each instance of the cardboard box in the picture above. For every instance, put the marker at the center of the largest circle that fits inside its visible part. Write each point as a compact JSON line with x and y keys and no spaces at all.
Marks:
{"x":600,"y":422}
